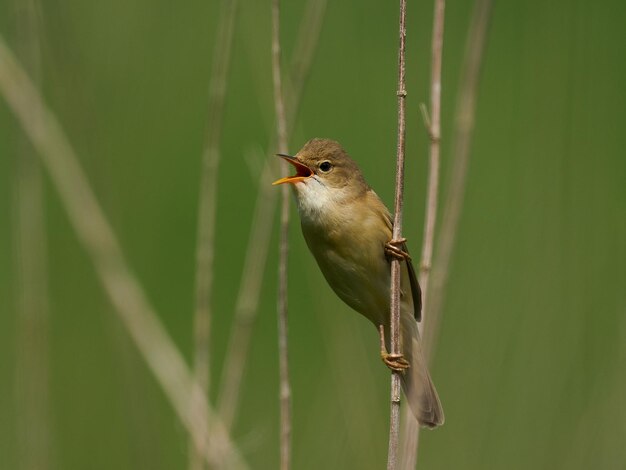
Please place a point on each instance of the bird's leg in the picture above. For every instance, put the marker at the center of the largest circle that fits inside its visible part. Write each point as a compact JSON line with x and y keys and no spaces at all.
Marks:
{"x":393,"y":248}
{"x":395,"y":362}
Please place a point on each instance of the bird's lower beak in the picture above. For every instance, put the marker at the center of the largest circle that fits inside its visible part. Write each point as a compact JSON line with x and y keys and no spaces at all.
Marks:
{"x":302,"y":171}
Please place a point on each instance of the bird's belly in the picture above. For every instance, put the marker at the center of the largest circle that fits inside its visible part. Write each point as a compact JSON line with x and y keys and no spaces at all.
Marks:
{"x":359,"y":275}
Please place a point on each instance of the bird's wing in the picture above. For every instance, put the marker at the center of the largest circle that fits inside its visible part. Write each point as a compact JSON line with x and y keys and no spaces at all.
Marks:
{"x":416,"y":291}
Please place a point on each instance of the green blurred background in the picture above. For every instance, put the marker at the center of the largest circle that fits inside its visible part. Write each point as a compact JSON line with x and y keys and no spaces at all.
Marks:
{"x":531,"y":360}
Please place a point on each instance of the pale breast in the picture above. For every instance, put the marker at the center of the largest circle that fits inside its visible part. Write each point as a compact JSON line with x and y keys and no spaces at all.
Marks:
{"x":348,"y":245}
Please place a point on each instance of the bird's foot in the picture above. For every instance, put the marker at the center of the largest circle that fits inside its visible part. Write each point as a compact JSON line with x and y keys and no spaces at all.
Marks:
{"x":395,"y":362}
{"x":393,"y":249}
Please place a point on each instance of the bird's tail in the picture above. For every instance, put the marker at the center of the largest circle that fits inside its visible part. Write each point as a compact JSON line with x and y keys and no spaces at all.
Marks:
{"x":416,"y":382}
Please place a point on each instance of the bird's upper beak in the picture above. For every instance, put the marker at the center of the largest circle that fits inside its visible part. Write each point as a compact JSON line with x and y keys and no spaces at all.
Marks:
{"x":302,"y":171}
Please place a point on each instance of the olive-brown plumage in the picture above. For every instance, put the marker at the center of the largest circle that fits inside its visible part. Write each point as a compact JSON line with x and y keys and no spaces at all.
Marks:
{"x":346,"y":227}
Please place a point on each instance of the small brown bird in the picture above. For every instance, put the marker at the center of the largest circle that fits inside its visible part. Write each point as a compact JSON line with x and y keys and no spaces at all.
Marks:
{"x":348,"y":229}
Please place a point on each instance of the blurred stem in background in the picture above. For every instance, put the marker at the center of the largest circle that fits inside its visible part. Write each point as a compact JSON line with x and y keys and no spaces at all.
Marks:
{"x":433,"y":127}
{"x":122,"y":287}
{"x":464,"y":126}
{"x":246,"y":307}
{"x":432,"y":121}
{"x":462,"y":139}
{"x":31,"y":259}
{"x":283,"y":247}
{"x":205,"y":243}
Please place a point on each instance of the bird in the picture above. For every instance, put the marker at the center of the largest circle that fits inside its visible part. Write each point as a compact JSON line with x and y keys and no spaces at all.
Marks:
{"x":348,"y":229}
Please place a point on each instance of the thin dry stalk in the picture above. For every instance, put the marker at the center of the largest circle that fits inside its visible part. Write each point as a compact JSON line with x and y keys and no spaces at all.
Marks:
{"x":205,"y":244}
{"x":411,"y":426}
{"x":248,"y":298}
{"x":394,"y":424}
{"x":434,"y":131}
{"x":464,"y":126}
{"x":465,"y":114}
{"x":258,"y":244}
{"x":100,"y":242}
{"x":304,"y":52}
{"x":281,"y":137}
{"x":32,"y":364}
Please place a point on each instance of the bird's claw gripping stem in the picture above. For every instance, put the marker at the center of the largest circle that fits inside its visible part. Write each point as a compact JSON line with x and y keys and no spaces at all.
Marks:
{"x":395,"y":362}
{"x":393,"y":248}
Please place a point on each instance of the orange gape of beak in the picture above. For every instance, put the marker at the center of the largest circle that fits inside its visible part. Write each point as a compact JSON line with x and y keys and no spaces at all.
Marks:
{"x":302,"y":171}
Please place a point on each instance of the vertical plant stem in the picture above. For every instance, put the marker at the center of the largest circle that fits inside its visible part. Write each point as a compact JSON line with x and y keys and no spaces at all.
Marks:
{"x":281,"y":137}
{"x":32,"y":368}
{"x":279,"y":103}
{"x":100,"y":242}
{"x":258,"y":243}
{"x":434,"y":132}
{"x":411,"y":426}
{"x":464,"y":126}
{"x":247,"y":299}
{"x":304,"y":52}
{"x":394,"y":424}
{"x":205,"y":243}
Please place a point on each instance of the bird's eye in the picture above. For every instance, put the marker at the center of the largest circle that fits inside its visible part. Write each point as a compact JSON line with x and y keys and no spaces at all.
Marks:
{"x":326,"y":166}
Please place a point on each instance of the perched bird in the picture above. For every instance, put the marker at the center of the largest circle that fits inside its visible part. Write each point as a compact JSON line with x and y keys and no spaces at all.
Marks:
{"x":348,"y":229}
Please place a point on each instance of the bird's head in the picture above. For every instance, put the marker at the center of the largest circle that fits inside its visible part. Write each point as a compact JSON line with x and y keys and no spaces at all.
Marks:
{"x":324,"y":170}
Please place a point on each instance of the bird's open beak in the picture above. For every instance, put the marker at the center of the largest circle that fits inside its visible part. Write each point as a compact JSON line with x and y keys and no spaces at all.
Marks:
{"x":302,"y":171}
